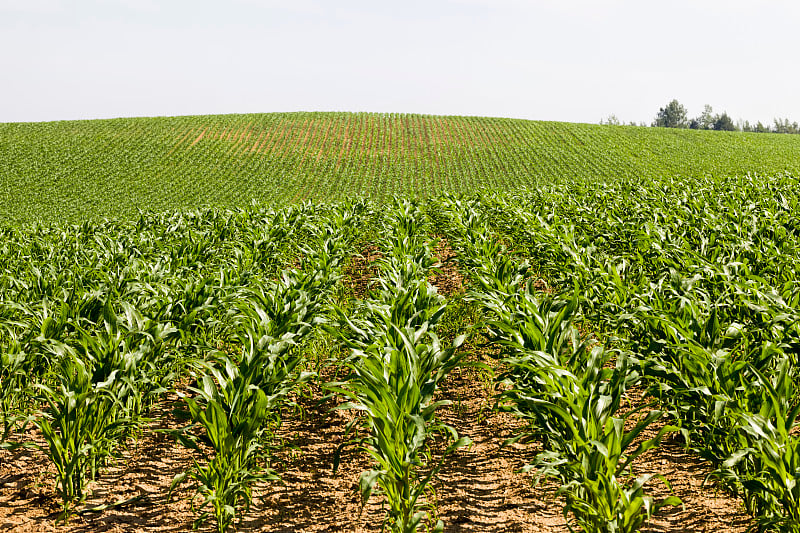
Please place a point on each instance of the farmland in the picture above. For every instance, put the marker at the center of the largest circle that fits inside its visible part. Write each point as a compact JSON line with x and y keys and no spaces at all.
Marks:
{"x":519,"y":326}
{"x":67,"y":171}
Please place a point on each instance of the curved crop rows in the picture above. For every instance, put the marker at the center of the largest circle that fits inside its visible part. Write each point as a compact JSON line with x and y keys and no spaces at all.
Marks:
{"x":67,"y":171}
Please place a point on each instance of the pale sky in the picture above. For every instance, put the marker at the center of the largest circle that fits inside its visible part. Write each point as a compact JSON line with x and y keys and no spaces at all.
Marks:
{"x":566,"y":60}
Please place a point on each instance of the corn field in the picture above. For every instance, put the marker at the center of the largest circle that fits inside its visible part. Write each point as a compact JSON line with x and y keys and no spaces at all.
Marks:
{"x":71,"y":171}
{"x":607,"y":319}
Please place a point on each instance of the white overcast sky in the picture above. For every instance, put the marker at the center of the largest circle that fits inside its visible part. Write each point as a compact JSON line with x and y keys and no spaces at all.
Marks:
{"x":568,"y":60}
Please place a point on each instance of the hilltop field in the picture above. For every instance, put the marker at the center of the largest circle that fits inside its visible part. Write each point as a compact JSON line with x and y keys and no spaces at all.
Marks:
{"x":340,"y":322}
{"x":67,"y":171}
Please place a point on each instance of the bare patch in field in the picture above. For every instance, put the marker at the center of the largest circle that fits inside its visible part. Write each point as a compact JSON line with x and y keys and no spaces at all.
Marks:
{"x":337,"y":139}
{"x":447,"y":278}
{"x":361,"y":271}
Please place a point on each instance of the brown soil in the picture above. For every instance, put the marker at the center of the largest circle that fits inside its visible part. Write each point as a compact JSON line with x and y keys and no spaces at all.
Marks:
{"x":447,"y":280}
{"x":199,"y":137}
{"x":361,"y":270}
{"x":28,"y":501}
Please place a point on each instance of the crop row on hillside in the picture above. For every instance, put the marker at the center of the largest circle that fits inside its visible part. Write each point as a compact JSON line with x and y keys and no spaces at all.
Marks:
{"x":67,"y":171}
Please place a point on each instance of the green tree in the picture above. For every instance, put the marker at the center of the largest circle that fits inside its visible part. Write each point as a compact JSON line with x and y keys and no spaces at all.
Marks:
{"x":672,"y":116}
{"x":761,"y":128}
{"x":723,"y":123}
{"x":705,"y":121}
{"x":784,"y":126}
{"x":612,"y":120}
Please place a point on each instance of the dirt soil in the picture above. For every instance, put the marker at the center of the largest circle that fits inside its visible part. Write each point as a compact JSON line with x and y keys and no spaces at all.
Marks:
{"x":359,"y":273}
{"x":447,"y":279}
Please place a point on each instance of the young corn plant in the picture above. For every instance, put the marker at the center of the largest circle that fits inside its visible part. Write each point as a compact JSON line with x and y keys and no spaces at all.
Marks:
{"x":239,"y":400}
{"x":81,"y":424}
{"x":233,"y":414}
{"x":392,"y":382}
{"x":587,"y":446}
{"x":13,"y":390}
{"x":766,"y":473}
{"x":104,"y":375}
{"x":132,"y":348}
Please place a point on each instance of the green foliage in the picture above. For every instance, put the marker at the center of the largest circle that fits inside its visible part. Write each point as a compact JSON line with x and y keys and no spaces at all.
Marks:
{"x":766,"y":469}
{"x":396,"y":365}
{"x":724,"y":123}
{"x":687,"y":286}
{"x":568,"y":394}
{"x":71,"y":171}
{"x":13,"y":391}
{"x":82,"y":424}
{"x":671,"y":116}
{"x":698,"y":281}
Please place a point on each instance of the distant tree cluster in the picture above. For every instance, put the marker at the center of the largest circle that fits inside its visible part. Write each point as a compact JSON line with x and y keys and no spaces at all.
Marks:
{"x":674,"y":116}
{"x":778,"y":126}
{"x":612,"y":120}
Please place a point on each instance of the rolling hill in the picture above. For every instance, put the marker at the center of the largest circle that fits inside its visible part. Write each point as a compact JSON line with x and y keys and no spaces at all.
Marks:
{"x":69,"y":171}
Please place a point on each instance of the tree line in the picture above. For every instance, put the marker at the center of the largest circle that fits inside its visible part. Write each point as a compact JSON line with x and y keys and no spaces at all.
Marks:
{"x":674,"y":115}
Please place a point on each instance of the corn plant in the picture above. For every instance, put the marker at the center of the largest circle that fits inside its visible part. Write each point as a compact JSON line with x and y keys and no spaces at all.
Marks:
{"x":392,"y":381}
{"x":133,"y":348}
{"x":13,"y":390}
{"x":587,"y":446}
{"x":239,"y":400}
{"x":81,"y":425}
{"x":233,"y":415}
{"x":105,"y":375}
{"x":389,"y":385}
{"x":767,"y":471}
